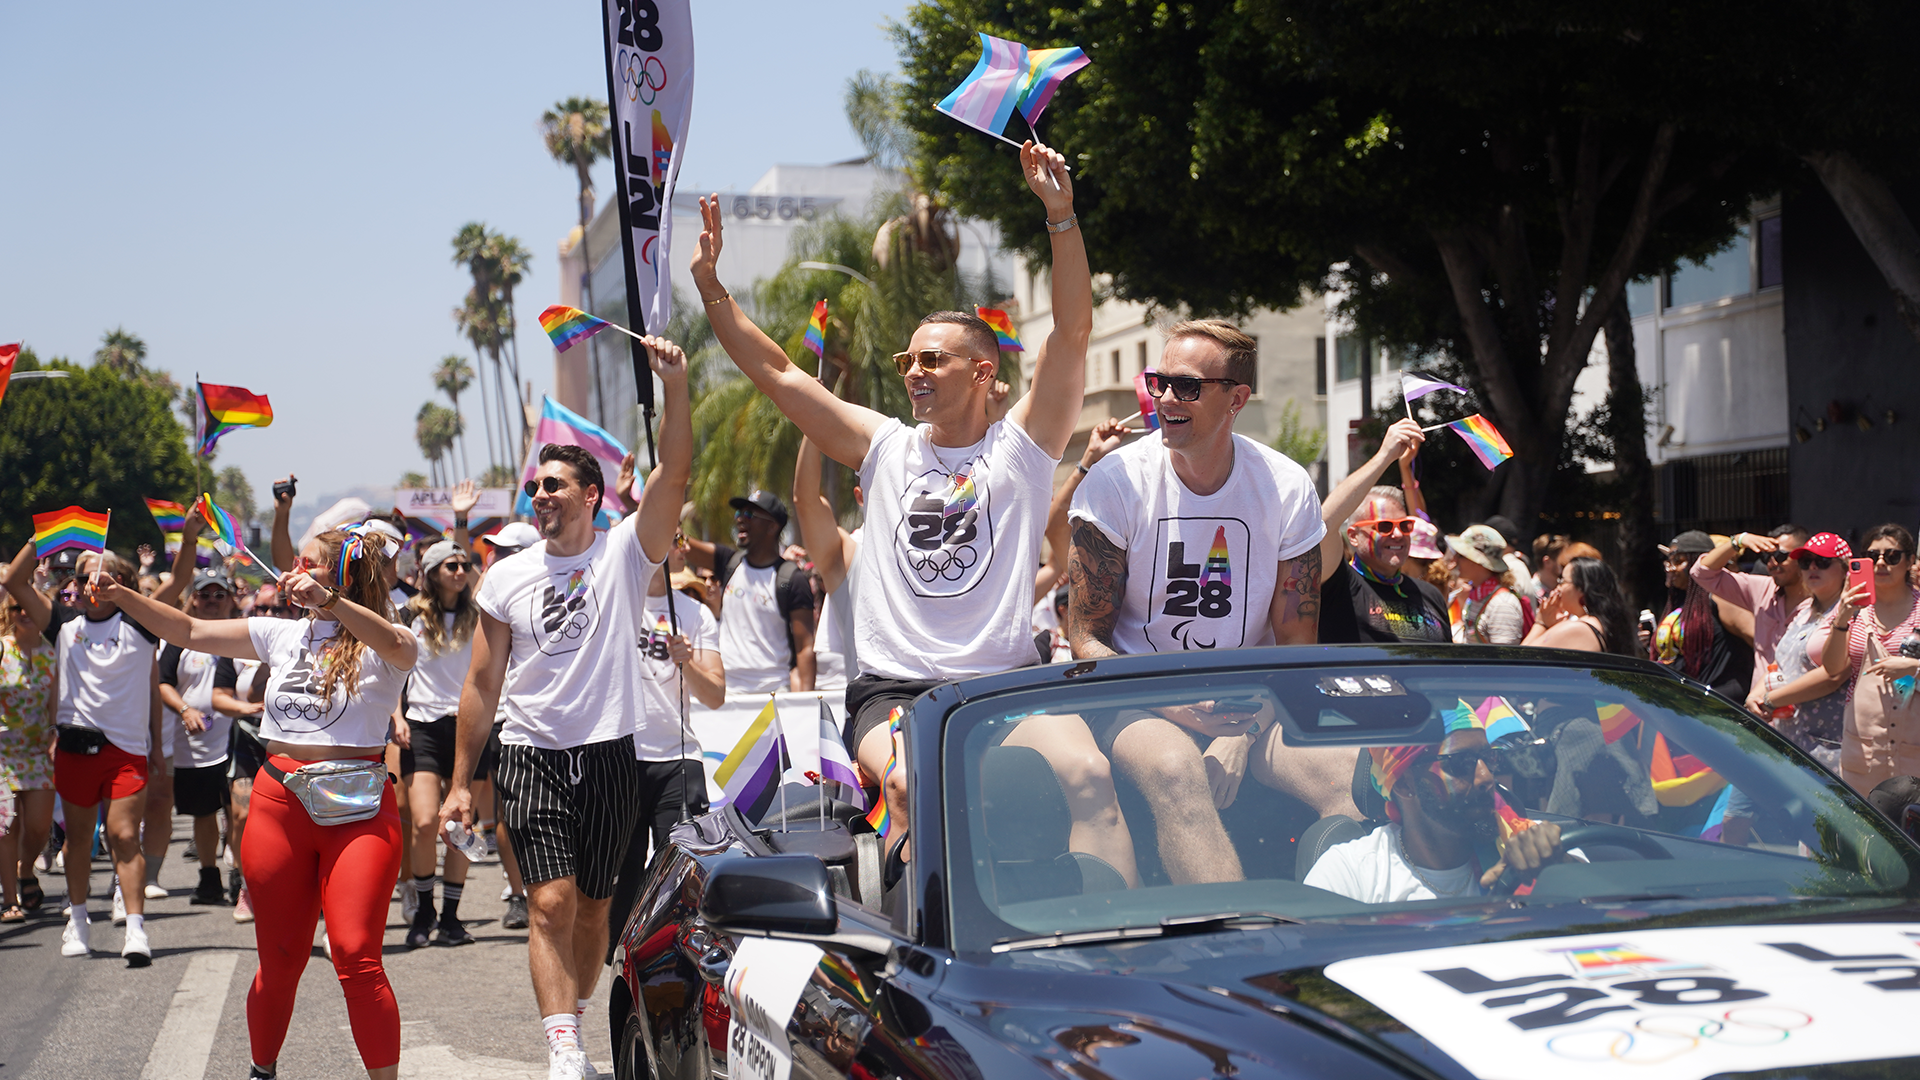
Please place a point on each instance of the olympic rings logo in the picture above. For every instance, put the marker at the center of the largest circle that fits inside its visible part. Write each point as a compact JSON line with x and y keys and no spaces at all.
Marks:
{"x":643,"y":76}
{"x":1654,"y":1040}
{"x":947,"y":563}
{"x":575,"y":626}
{"x":301,"y":707}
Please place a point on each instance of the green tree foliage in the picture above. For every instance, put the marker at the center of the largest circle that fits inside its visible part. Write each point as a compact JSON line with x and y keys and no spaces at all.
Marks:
{"x":101,"y":438}
{"x":1486,"y":177}
{"x":234,"y":494}
{"x":412,"y":479}
{"x":1294,"y":438}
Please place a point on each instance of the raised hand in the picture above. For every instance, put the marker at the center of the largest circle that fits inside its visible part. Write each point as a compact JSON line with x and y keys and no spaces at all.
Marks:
{"x":1104,"y":439}
{"x":1047,"y":174}
{"x":465,"y":496}
{"x":706,"y":256}
{"x":1403,"y":436}
{"x":666,"y":358}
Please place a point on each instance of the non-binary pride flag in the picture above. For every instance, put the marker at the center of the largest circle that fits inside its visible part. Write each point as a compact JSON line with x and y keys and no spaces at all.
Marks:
{"x":1002,"y":328}
{"x":220,"y":409}
{"x":8,"y":355}
{"x":1149,"y":413}
{"x":1483,"y":439}
{"x":750,"y":776}
{"x":816,"y":341}
{"x":73,"y":527}
{"x":986,"y":97}
{"x":1046,"y":70}
{"x":1414,"y":386}
{"x":835,"y":766}
{"x":568,"y":326}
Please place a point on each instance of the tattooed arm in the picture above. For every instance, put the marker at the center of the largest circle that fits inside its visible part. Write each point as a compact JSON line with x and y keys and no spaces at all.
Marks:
{"x":1296,"y":601}
{"x":1096,"y":582}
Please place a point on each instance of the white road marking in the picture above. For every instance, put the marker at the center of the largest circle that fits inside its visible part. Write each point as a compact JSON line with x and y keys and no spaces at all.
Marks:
{"x":185,"y":1041}
{"x":442,"y":1063}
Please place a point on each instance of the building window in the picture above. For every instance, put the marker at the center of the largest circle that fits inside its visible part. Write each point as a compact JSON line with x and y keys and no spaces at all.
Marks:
{"x":1320,"y":366}
{"x":1766,"y":234}
{"x":1142,"y":365}
{"x":1116,"y":367}
{"x":1642,"y":297}
{"x":1728,"y":273}
{"x":1348,"y":354}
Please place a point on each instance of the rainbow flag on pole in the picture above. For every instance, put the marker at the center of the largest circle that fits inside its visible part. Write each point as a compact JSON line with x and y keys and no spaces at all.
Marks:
{"x":569,"y":325}
{"x":1483,"y":439}
{"x":1002,"y":328}
{"x":220,"y":409}
{"x":985,"y":98}
{"x":8,"y":355}
{"x":816,"y":342}
{"x":226,"y":532}
{"x":72,"y":527}
{"x":1046,"y":70}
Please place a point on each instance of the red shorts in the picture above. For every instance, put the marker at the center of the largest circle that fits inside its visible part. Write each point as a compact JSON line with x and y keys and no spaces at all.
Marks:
{"x":91,"y":779}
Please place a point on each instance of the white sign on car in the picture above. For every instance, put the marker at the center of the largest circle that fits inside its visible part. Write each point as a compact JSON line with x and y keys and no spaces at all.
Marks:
{"x":763,"y":985}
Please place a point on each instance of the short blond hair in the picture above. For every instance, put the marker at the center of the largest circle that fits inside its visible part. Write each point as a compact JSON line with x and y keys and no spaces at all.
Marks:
{"x":1243,"y":352}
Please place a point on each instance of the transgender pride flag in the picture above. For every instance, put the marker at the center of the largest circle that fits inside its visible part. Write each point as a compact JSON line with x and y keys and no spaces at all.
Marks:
{"x":985,"y":98}
{"x":559,"y":424}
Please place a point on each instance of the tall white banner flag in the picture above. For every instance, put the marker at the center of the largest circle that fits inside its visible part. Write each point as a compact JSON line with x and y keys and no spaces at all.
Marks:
{"x":650,"y":87}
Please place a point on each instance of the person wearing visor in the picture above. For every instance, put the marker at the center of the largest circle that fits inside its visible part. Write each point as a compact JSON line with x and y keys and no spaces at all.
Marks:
{"x":1363,"y":558}
{"x":1449,"y":833}
{"x":766,"y":620}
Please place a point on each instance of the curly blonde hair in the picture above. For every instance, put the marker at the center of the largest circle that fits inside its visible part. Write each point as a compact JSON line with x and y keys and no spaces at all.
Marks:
{"x":366,"y":586}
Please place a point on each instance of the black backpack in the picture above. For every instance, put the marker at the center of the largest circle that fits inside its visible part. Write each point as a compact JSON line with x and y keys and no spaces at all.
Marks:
{"x":782,"y":582}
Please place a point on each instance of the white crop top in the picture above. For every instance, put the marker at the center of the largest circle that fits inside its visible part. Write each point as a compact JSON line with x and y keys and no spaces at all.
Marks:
{"x":296,"y":713}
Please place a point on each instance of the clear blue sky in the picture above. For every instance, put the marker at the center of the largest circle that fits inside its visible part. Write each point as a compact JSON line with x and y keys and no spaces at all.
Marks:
{"x":267,"y":193}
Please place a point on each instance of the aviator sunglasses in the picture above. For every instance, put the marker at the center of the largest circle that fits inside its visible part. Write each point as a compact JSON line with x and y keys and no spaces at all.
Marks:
{"x":928,"y":359}
{"x":1185,"y":387}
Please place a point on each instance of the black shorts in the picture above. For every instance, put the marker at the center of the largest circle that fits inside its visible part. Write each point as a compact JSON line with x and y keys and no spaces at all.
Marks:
{"x":870,"y":698}
{"x":245,"y":756}
{"x":490,"y":753}
{"x":200,"y":791}
{"x":431,"y":748}
{"x":570,"y":813}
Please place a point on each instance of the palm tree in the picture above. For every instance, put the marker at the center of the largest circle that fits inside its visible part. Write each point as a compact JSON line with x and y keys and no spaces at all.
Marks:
{"x":575,"y":131}
{"x":478,"y":317}
{"x":450,"y":378}
{"x":434,"y":428}
{"x":121,"y":352}
{"x":497,"y":263}
{"x":510,"y":261}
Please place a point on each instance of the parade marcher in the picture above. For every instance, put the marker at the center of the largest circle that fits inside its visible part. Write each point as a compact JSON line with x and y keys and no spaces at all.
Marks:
{"x":1493,"y":613}
{"x":1875,"y":642}
{"x":108,"y":720}
{"x":323,"y":837}
{"x":1704,"y":637}
{"x":26,"y":744}
{"x":833,"y":550}
{"x":957,"y":504}
{"x":443,"y":617}
{"x":204,"y":742}
{"x":1199,"y":538}
{"x":766,"y":620}
{"x":1585,"y":611}
{"x":1369,"y":538}
{"x":558,"y":647}
{"x":511,"y":539}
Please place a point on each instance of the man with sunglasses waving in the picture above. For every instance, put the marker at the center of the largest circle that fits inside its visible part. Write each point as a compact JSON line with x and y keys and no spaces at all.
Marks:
{"x":1773,"y":597}
{"x":956,"y":506}
{"x":559,"y":645}
{"x":1361,"y":559}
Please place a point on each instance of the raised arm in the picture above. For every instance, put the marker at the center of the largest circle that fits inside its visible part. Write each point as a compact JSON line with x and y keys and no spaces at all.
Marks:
{"x":1345,"y":497}
{"x":1834,"y":656}
{"x":831,"y":546}
{"x":1051,"y":406}
{"x":1296,"y":604}
{"x":1748,"y":591}
{"x":183,"y":563}
{"x":842,"y":430}
{"x":465,"y":496}
{"x":392,"y":642}
{"x":281,"y":548}
{"x":659,"y":517}
{"x":20,"y":586}
{"x":219,"y":637}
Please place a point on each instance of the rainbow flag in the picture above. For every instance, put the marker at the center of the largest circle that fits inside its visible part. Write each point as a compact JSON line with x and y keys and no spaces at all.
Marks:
{"x":1218,"y":565}
{"x":226,"y":532}
{"x":1046,"y":70}
{"x":1682,"y":780}
{"x":1512,"y":822}
{"x":1149,"y":414}
{"x":567,"y":325}
{"x":72,"y":527}
{"x":1616,"y":721}
{"x":1483,"y":439}
{"x":170,"y":516}
{"x":8,"y":355}
{"x":961,"y":496}
{"x":878,"y":817}
{"x":1461,"y":717}
{"x":816,"y":341}
{"x":986,"y":97}
{"x":1002,"y":328}
{"x":749,"y":778}
{"x":220,"y":409}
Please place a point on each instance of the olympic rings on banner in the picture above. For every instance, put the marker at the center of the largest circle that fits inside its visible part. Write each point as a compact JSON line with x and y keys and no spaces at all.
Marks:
{"x":643,"y":76}
{"x":1655,"y":1040}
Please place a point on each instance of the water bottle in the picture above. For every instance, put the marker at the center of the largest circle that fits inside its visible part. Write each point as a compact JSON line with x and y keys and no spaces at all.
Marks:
{"x":466,"y":841}
{"x":1775,"y":680}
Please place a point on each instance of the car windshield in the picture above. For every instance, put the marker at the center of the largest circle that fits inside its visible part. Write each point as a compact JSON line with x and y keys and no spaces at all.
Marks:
{"x":1346,"y":792}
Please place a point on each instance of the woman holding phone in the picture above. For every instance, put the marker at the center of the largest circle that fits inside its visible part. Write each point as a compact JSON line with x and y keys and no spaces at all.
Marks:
{"x":323,"y":834}
{"x":1869,"y":645}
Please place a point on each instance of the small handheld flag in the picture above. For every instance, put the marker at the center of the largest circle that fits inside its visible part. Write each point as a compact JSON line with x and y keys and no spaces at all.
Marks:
{"x":1415,"y":386}
{"x":750,"y":775}
{"x":1002,"y":328}
{"x":1615,"y":722}
{"x":568,"y":325}
{"x":1046,"y":70}
{"x":226,"y":532}
{"x":220,"y":409}
{"x":984,"y":100}
{"x":816,"y":341}
{"x":1149,"y":414}
{"x":72,"y":527}
{"x":1483,"y":439}
{"x":1512,"y":823}
{"x":8,"y":355}
{"x":170,"y":516}
{"x":835,"y":766}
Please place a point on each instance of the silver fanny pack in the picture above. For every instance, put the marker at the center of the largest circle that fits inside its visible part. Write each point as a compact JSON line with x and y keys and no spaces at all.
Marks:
{"x":336,"y":792}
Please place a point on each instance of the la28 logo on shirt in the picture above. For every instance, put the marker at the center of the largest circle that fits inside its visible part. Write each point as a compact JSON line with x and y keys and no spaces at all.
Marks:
{"x":564,"y":611}
{"x":946,"y":531}
{"x":1193,"y":603}
{"x":298,"y":695}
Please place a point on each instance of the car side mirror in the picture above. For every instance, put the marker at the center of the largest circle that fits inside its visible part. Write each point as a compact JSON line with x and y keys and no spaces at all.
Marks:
{"x":778,"y":895}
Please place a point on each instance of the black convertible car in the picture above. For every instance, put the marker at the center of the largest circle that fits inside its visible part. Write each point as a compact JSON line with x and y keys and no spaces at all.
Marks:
{"x":1090,"y":893}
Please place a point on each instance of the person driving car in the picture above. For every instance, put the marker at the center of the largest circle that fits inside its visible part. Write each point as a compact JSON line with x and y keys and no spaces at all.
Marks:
{"x":1444,"y":838}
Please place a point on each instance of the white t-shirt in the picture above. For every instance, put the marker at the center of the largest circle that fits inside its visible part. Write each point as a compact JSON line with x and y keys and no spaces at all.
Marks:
{"x":833,"y":641}
{"x":661,"y":685}
{"x":946,"y":590}
{"x":193,"y":674}
{"x":573,"y":673}
{"x":753,"y":636}
{"x":106,"y":676}
{"x":433,"y":687}
{"x":1201,"y":569}
{"x":1371,"y":871}
{"x":296,"y":713}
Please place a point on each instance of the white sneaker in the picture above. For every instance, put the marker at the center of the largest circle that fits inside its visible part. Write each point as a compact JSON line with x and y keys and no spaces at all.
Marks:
{"x":119,"y":906}
{"x":568,"y":1065}
{"x":136,"y":951}
{"x":409,"y":901}
{"x":506,"y":891}
{"x":155,"y":892}
{"x":73,"y":940}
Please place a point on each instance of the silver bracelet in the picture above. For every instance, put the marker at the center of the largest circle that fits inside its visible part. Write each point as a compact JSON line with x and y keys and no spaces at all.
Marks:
{"x":1063,"y":226}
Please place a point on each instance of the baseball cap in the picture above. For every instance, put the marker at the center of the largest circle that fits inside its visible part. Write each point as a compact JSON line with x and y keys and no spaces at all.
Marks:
{"x":64,"y":562}
{"x":1483,"y":544}
{"x":1826,"y":546}
{"x":389,"y":530}
{"x":210,"y":578}
{"x":762,"y":500}
{"x":514,"y":535}
{"x":1691,"y":542}
{"x":437,"y":554}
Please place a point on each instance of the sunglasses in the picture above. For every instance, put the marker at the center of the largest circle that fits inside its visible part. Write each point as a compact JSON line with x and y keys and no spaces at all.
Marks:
{"x":1389,"y":526}
{"x":1185,"y":387}
{"x":301,"y":562}
{"x":460,"y":566}
{"x":1891,"y":556}
{"x":928,"y":359}
{"x":1775,"y":558}
{"x":1815,"y":562}
{"x":549,"y":484}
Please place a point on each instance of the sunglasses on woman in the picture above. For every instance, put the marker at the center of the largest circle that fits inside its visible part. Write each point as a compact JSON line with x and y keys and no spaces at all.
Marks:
{"x":548,"y":484}
{"x":928,"y":359}
{"x":1890,"y":556}
{"x":1185,"y":387}
{"x":1815,"y":562}
{"x":451,"y":565}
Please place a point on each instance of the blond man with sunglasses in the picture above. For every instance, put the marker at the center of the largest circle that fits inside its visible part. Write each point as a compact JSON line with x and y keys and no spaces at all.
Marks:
{"x":957,"y":505}
{"x":1369,"y":533}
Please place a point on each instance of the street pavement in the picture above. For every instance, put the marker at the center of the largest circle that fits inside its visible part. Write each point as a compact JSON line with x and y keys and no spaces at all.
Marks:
{"x":465,"y":1012}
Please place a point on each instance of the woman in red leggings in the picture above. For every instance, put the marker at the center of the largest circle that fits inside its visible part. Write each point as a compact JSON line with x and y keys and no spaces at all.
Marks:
{"x":336,"y":679}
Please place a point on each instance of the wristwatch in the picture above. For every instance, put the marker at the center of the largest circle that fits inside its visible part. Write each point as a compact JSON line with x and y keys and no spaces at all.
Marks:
{"x":333,"y":597}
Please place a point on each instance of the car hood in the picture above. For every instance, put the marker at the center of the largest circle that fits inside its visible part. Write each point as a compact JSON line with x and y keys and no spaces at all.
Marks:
{"x":1686,"y":1000}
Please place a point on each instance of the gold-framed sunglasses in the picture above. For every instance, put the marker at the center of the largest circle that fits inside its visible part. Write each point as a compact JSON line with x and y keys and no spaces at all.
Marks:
{"x":928,"y":359}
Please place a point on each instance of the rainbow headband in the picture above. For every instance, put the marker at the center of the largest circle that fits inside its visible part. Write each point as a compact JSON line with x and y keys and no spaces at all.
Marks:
{"x":354,"y":548}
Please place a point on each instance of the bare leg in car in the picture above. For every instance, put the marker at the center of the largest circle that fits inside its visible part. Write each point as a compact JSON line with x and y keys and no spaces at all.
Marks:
{"x":1086,"y":776}
{"x":1163,"y":761}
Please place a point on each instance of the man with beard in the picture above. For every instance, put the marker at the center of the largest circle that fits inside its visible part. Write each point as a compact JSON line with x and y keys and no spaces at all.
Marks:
{"x":1369,"y":533}
{"x":1443,"y":838}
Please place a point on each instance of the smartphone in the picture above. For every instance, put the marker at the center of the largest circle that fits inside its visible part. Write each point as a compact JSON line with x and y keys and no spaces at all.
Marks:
{"x":284,"y":487}
{"x":1860,"y":572}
